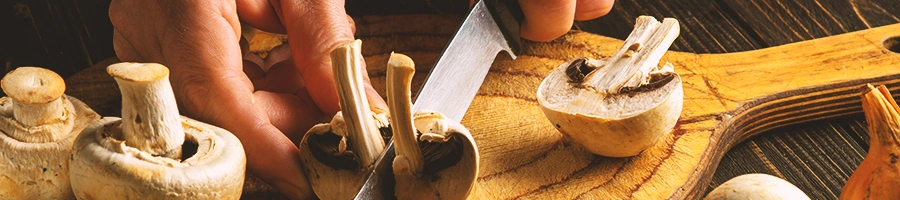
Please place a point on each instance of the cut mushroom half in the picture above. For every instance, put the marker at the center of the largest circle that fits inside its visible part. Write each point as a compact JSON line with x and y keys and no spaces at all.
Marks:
{"x":339,"y":155}
{"x":620,"y":106}
{"x":436,"y":157}
{"x":39,"y":124}
{"x":152,"y":152}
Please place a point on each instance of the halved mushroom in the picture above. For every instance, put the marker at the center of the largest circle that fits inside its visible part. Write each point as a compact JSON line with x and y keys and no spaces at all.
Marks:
{"x":339,"y":155}
{"x":436,"y":157}
{"x":39,"y":125}
{"x":152,"y":152}
{"x":623,"y":105}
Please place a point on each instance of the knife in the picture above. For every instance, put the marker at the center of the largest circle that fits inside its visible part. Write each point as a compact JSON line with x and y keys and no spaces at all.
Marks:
{"x":491,"y":26}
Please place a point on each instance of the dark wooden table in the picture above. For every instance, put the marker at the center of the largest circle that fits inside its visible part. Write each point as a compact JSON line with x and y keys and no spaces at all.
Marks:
{"x":818,"y":157}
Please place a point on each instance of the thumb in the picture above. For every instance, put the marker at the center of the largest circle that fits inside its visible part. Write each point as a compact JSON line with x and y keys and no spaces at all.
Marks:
{"x":314,"y":29}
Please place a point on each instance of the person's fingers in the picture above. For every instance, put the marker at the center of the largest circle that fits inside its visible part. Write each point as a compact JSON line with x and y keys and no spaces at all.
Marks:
{"x":270,"y":154}
{"x":123,"y":48}
{"x":260,"y":14}
{"x":590,"y":9}
{"x":252,"y":63}
{"x":281,"y":78}
{"x":314,"y":29}
{"x":546,"y":20}
{"x":293,"y":114}
{"x":199,"y":42}
{"x":274,"y":159}
{"x":352,"y":25}
{"x":278,"y":55}
{"x":374,"y":99}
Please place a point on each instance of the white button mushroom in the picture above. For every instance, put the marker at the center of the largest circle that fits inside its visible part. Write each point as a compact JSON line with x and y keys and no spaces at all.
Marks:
{"x":620,"y":106}
{"x":339,"y":155}
{"x":152,"y":152}
{"x":436,"y":157}
{"x":39,"y":125}
{"x":756,"y":186}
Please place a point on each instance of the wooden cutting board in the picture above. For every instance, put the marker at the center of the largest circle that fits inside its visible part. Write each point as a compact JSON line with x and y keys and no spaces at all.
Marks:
{"x":728,"y":98}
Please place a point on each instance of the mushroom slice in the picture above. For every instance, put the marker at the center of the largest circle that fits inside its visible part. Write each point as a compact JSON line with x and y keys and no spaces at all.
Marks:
{"x":620,"y":106}
{"x":436,"y":157}
{"x":339,"y":155}
{"x":152,"y":152}
{"x":39,"y":125}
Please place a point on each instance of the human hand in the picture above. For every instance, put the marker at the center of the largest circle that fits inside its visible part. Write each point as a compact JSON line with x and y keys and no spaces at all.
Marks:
{"x":547,"y":20}
{"x":198,"y":41}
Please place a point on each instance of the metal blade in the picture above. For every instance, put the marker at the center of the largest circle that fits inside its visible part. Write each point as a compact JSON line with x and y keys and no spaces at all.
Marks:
{"x":459,"y":72}
{"x":450,"y":87}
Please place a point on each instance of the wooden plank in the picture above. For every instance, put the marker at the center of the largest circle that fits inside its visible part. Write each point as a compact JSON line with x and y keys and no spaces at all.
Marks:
{"x":785,"y":21}
{"x":817,"y":157}
{"x":825,"y":153}
{"x":761,"y":155}
{"x":522,"y":153}
{"x":751,"y":156}
{"x":65,"y":36}
{"x":706,"y":27}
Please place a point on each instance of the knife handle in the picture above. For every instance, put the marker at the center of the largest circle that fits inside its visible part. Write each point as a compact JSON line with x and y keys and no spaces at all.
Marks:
{"x":508,"y":15}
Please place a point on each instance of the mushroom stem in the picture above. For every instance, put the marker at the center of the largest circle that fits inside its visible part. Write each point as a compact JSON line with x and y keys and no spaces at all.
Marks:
{"x":36,"y":99}
{"x":640,"y":54}
{"x":150,"y":119}
{"x":38,"y":114}
{"x":361,"y":129}
{"x":36,"y":95}
{"x":399,"y":76}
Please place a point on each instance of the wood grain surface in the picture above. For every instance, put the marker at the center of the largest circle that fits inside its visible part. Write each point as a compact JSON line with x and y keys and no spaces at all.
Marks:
{"x":729,"y":98}
{"x":816,"y":156}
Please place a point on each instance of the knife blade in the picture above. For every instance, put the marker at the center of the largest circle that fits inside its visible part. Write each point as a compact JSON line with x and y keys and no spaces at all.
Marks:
{"x":491,"y":26}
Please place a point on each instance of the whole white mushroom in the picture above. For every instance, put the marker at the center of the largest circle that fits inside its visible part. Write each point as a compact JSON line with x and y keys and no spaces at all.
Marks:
{"x":38,"y":124}
{"x":756,"y":186}
{"x":152,"y":152}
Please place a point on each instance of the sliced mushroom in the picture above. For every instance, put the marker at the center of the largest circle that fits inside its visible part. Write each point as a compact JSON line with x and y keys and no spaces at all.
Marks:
{"x":339,"y":155}
{"x":436,"y":157}
{"x":39,"y":125}
{"x":152,"y":152}
{"x":623,"y":105}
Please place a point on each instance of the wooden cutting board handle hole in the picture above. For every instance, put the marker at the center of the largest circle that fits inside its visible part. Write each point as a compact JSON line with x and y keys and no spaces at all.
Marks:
{"x":893,"y":44}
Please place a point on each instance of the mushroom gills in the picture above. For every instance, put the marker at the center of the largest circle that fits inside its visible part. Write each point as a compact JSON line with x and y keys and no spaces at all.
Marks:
{"x":436,"y":157}
{"x":333,"y":150}
{"x":440,"y":155}
{"x":325,"y":148}
{"x":624,"y":104}
{"x":337,"y":156}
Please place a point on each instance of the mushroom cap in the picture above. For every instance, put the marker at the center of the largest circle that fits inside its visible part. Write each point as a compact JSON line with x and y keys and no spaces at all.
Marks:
{"x":335,"y":182}
{"x":45,"y":164}
{"x":103,"y":167}
{"x":33,"y":85}
{"x":329,"y":182}
{"x":615,"y":125}
{"x":454,"y":182}
{"x":756,"y":186}
{"x":138,"y":72}
{"x":35,"y":170}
